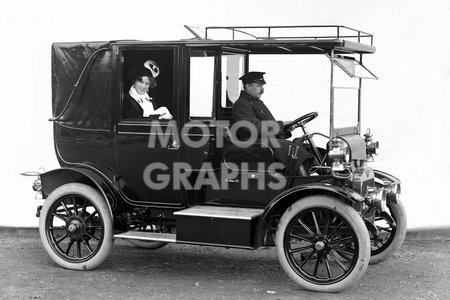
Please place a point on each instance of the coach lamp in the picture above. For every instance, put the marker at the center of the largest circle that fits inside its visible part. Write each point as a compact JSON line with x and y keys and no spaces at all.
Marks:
{"x":371,"y":146}
{"x":339,"y":156}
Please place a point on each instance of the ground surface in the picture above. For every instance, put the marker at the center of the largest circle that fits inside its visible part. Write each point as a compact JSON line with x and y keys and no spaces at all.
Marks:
{"x":420,"y":270}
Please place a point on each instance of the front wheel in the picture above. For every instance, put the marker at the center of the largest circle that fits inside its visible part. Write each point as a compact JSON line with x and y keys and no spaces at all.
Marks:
{"x":76,"y":227}
{"x":311,"y":235}
{"x":392,"y":227}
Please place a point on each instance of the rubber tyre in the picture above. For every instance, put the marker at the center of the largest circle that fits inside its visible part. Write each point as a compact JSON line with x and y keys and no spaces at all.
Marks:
{"x":330,"y":206}
{"x":397,"y":236}
{"x":98,"y":226}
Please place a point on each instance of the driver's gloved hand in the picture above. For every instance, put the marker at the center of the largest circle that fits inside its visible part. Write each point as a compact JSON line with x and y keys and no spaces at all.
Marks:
{"x":296,"y":125}
{"x":284,"y":135}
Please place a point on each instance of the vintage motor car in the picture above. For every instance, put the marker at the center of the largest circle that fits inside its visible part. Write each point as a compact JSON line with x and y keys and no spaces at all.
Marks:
{"x":188,"y":180}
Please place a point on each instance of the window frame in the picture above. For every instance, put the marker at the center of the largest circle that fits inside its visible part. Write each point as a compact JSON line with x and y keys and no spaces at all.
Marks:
{"x":127,"y":123}
{"x":215,"y":87}
{"x":217,"y":108}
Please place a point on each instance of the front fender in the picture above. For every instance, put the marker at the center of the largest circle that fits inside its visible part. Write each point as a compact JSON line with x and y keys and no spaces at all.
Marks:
{"x":383,"y":175}
{"x":81,"y":174}
{"x":280,"y":203}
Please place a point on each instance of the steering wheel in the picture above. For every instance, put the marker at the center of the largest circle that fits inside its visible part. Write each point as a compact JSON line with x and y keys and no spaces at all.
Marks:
{"x":301,"y":121}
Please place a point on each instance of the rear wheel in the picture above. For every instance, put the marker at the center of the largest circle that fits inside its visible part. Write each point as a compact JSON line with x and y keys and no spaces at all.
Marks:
{"x":392,"y":227}
{"x":310,"y":236}
{"x":76,"y":227}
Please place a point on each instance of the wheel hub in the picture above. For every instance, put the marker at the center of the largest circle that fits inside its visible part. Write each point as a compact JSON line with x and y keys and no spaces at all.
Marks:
{"x":319,"y":246}
{"x":75,"y":228}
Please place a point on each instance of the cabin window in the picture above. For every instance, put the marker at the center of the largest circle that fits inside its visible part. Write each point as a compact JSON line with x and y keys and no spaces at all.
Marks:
{"x":232,"y":69}
{"x":201,"y":85}
{"x":161,"y":91}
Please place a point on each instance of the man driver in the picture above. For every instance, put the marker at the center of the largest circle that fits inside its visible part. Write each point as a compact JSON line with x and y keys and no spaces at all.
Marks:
{"x":249,"y":107}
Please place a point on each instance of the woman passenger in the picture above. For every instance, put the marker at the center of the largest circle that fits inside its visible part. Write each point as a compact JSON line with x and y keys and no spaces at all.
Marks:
{"x":137,"y":103}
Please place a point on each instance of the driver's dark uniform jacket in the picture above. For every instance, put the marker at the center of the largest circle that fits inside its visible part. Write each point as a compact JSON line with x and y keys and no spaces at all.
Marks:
{"x":254,"y":110}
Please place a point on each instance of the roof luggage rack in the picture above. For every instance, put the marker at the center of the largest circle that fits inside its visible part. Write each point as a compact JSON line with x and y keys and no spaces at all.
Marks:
{"x":305,"y":32}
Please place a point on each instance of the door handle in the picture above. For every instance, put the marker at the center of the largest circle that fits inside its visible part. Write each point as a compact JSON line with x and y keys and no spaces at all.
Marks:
{"x":174,"y":146}
{"x":232,"y":180}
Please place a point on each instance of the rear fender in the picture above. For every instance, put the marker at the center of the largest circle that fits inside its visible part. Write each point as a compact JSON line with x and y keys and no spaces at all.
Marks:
{"x":279,"y":204}
{"x":94,"y":178}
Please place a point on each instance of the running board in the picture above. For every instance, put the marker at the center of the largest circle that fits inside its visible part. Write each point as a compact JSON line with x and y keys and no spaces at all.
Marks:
{"x":207,"y":225}
{"x":147,"y":236}
{"x":206,"y":211}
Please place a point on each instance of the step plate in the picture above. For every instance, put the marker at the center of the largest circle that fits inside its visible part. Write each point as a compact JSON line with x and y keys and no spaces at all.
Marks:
{"x":236,"y":213}
{"x":147,"y":236}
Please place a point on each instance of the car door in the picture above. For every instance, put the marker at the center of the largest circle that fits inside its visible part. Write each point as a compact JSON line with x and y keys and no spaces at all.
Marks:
{"x":147,"y":149}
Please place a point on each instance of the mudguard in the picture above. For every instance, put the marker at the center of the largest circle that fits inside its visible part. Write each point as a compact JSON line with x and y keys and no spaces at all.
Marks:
{"x":280,"y":203}
{"x":97,"y":176}
{"x":383,"y":175}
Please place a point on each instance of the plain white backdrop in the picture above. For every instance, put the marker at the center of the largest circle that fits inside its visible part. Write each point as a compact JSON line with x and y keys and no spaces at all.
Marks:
{"x":407,"y":108}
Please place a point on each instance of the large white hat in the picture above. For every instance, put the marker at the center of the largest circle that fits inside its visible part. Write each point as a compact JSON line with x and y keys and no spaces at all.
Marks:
{"x":153,"y":67}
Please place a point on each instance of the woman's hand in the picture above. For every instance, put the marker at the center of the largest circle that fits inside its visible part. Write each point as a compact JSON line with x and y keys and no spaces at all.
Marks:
{"x":164,"y":113}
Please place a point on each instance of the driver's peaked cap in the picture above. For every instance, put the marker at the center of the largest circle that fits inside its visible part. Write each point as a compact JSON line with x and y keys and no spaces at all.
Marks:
{"x":253,"y":77}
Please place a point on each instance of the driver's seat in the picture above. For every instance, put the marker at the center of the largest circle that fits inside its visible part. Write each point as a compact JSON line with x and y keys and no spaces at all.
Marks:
{"x":246,"y":157}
